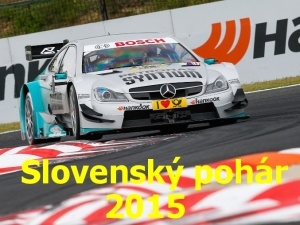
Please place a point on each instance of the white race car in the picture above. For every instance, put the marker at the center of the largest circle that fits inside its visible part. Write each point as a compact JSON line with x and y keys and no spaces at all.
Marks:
{"x":123,"y":82}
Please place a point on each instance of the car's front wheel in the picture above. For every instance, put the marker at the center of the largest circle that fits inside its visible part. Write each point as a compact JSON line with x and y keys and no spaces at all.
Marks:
{"x":74,"y":112}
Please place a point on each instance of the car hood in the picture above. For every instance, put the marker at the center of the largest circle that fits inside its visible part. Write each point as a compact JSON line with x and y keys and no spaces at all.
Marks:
{"x":123,"y":79}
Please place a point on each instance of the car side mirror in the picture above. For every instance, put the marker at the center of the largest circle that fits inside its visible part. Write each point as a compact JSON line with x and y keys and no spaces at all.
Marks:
{"x":210,"y":61}
{"x":60,"y":76}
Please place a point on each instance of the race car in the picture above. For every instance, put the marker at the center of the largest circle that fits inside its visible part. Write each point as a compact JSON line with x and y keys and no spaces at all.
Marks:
{"x":124,"y":82}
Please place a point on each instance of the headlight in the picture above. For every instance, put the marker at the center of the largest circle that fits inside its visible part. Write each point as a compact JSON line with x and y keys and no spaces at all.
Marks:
{"x":220,"y":84}
{"x":106,"y":95}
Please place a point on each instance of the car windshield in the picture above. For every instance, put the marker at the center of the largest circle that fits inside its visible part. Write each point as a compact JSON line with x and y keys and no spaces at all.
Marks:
{"x":138,"y":55}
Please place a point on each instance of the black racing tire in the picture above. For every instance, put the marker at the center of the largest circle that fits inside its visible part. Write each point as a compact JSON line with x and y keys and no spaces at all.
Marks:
{"x":74,"y":113}
{"x":30,"y":124}
{"x":173,"y":128}
{"x":29,"y":121}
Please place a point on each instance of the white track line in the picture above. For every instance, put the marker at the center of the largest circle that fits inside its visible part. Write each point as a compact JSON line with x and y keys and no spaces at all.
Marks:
{"x":6,"y":132}
{"x":271,"y":89}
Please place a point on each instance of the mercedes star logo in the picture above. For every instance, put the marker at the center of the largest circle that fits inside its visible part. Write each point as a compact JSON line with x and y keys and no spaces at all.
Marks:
{"x":167,"y":91}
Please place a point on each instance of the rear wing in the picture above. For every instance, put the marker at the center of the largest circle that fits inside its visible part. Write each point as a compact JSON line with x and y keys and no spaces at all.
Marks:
{"x":43,"y":51}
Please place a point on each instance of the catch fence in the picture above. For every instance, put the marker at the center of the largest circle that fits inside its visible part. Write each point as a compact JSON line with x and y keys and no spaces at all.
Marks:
{"x":19,"y":17}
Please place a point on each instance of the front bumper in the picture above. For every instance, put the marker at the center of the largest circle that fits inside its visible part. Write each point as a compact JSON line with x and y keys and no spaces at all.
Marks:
{"x":191,"y":114}
{"x":116,"y":116}
{"x":239,"y":101}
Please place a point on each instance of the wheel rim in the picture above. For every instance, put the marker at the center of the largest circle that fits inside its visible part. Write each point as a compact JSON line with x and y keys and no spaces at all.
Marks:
{"x":29,"y":119}
{"x":73,"y":112}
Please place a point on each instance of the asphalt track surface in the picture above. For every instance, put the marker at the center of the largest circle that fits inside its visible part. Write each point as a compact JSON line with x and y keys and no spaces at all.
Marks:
{"x":274,"y":125}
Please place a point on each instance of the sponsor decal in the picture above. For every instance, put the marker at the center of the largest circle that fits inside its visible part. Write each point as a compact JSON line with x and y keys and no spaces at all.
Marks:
{"x":81,"y":96}
{"x":48,"y":50}
{"x":142,"y":76}
{"x":56,"y":131}
{"x":89,"y":48}
{"x":57,"y":106}
{"x":56,"y":96}
{"x":193,"y":64}
{"x":137,"y":68}
{"x":176,"y":115}
{"x":169,"y":104}
{"x":205,"y":100}
{"x":225,"y":51}
{"x":279,"y":37}
{"x":56,"y":101}
{"x":144,"y":42}
{"x":234,"y":81}
{"x":131,"y":108}
{"x":102,"y":46}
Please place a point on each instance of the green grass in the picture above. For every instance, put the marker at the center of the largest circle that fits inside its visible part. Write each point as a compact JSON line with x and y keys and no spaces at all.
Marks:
{"x":247,"y":87}
{"x":271,"y":84}
{"x":24,"y":17}
{"x":9,"y":126}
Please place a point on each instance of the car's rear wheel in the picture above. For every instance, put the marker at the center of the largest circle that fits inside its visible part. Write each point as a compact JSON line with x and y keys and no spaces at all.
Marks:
{"x":74,"y":113}
{"x":30,"y":124}
{"x":174,"y":128}
{"x":29,"y":120}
